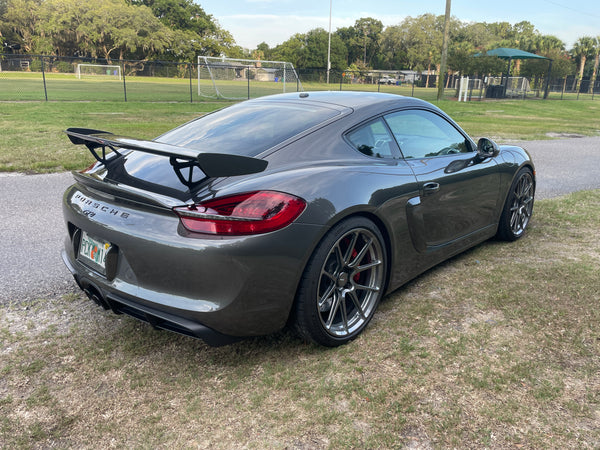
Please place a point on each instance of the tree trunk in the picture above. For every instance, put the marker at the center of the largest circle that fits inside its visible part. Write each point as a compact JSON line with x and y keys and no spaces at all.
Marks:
{"x":582,"y":66}
{"x":595,"y":72}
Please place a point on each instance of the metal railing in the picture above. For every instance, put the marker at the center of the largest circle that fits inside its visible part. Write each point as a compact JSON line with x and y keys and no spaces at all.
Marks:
{"x":51,"y":78}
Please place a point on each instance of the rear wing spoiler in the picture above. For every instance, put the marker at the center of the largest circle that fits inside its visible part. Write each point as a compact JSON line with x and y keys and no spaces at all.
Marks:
{"x":212,"y":164}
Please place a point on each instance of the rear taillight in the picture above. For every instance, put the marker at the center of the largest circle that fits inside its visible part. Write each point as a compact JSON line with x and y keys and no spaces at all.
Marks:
{"x":242,"y":214}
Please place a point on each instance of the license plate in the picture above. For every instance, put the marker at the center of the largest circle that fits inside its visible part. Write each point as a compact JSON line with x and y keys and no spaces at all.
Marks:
{"x":93,"y":251}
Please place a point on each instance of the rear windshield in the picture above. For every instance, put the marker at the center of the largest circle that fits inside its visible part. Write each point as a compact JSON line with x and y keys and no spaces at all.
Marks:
{"x":248,"y":128}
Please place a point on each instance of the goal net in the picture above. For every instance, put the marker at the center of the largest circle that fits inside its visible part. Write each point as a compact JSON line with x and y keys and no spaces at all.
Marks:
{"x":514,"y":85}
{"x":98,"y":70}
{"x":239,"y":79}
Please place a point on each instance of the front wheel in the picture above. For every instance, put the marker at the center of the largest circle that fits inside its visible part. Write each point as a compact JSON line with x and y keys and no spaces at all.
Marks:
{"x":518,"y":206}
{"x":342,"y":283}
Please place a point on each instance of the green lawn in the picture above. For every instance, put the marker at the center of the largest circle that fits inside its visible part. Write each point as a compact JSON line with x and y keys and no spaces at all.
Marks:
{"x":32,"y":138}
{"x":24,"y":86}
{"x":497,"y":348}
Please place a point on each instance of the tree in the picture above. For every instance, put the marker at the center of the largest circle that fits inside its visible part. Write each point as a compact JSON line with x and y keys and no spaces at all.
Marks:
{"x":420,"y":39}
{"x":185,"y":15}
{"x":362,"y":40}
{"x":368,"y":32}
{"x":393,"y":54}
{"x":584,"y":47}
{"x":309,"y":50}
{"x":596,"y":62}
{"x":349,"y":37}
{"x":266,"y":51}
{"x":20,"y":22}
{"x":114,"y":29}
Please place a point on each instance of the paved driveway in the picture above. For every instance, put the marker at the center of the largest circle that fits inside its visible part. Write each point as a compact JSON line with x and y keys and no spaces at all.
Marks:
{"x":33,"y":230}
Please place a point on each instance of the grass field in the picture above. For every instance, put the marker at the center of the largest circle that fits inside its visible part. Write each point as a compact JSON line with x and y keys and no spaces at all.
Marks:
{"x":27,"y":86}
{"x":496,"y":348}
{"x":33,"y":141}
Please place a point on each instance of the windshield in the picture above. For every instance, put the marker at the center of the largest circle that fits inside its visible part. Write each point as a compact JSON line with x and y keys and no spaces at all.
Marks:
{"x":248,"y":128}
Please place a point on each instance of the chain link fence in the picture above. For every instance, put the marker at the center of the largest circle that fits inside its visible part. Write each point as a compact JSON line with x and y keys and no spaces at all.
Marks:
{"x":36,"y":77}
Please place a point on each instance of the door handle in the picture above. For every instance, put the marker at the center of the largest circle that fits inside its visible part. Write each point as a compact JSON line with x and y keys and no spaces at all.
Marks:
{"x":430,"y":188}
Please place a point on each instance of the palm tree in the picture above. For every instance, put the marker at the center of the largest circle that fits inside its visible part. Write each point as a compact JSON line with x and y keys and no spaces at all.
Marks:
{"x":596,"y":62}
{"x":583,"y":48}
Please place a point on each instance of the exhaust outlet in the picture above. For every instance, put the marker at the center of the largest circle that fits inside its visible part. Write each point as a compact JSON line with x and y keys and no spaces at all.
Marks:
{"x":94,"y":295}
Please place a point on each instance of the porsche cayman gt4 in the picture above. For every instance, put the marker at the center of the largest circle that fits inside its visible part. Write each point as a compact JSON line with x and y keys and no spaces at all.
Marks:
{"x":299,"y":209}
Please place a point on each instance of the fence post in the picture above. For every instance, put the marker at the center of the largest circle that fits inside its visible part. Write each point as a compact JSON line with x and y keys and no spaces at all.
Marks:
{"x":191,"y":95}
{"x":481,"y":90}
{"x":44,"y":78}
{"x":124,"y":85}
{"x":470,"y":90}
{"x":248,"y":78}
{"x":341,"y":79}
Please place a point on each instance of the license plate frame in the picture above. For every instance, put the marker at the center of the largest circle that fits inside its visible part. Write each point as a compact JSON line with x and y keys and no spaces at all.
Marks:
{"x":93,"y":251}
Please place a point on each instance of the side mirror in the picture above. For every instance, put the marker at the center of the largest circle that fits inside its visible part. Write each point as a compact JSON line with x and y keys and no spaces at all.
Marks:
{"x":486,"y":148}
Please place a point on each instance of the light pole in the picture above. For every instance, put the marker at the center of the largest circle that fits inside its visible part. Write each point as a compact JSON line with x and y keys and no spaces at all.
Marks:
{"x":440,"y":94}
{"x":329,"y":43}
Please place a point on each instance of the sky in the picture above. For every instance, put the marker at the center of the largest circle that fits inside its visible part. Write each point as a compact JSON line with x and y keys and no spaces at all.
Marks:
{"x":274,"y":21}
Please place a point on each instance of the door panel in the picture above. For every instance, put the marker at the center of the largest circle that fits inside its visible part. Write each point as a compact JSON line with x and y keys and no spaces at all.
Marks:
{"x":454,"y":205}
{"x":457,"y":197}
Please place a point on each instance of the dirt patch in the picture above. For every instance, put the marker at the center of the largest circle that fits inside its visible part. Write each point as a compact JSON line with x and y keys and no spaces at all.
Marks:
{"x":564,"y":135}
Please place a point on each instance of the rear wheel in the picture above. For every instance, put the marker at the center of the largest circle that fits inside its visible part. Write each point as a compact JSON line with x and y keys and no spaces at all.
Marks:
{"x":342,"y":283}
{"x":518,"y":206}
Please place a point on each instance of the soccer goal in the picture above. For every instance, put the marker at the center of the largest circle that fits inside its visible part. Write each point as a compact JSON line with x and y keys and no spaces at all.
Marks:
{"x":98,"y":70}
{"x":239,"y":79}
{"x":515,"y":86}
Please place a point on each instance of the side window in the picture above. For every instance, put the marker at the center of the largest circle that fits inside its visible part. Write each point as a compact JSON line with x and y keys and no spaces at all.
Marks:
{"x":423,"y":134}
{"x":372,"y":139}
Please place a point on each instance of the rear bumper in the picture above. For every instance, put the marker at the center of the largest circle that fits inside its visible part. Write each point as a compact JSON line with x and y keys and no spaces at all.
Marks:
{"x":155,"y":317}
{"x":209,"y":288}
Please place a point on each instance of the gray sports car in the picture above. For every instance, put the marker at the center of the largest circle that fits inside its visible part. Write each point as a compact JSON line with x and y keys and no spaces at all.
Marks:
{"x":301,"y":209}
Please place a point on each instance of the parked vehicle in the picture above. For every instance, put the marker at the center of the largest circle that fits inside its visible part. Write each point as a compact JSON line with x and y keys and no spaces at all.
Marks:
{"x":301,"y":209}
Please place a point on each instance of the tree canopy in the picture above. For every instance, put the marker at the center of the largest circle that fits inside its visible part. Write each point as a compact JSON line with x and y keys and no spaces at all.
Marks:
{"x":113,"y":29}
{"x":181,"y":29}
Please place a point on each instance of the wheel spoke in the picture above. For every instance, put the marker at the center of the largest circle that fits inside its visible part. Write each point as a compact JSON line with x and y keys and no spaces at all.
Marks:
{"x":357,"y":305}
{"x":513,"y":219}
{"x":344,"y":312}
{"x":362,"y":287}
{"x":339,"y":257}
{"x":364,"y":267}
{"x":331,"y":276}
{"x":362,"y":253}
{"x":326,"y":296}
{"x":348,"y":254}
{"x":333,"y":311}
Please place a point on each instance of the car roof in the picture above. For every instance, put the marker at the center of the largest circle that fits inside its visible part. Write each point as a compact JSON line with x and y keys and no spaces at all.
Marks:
{"x":356,"y":100}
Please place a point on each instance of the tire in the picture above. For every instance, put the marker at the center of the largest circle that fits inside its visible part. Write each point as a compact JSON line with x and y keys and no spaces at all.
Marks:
{"x":518,"y":206}
{"x":342,"y":283}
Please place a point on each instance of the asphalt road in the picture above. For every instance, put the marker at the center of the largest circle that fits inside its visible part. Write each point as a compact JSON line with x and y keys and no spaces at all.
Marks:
{"x":33,"y":230}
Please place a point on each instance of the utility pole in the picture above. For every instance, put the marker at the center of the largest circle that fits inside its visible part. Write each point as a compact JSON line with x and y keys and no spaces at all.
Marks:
{"x":329,"y":44}
{"x":441,"y":80}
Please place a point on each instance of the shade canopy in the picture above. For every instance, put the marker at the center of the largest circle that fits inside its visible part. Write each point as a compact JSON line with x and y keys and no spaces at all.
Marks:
{"x":513,"y":53}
